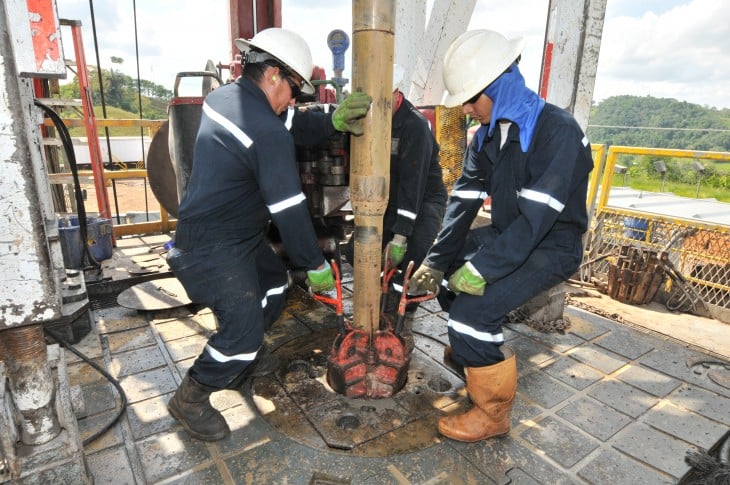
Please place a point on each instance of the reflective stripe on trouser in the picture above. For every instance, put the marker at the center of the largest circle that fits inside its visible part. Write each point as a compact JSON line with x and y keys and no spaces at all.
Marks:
{"x":245,"y":290}
{"x":475,"y":322}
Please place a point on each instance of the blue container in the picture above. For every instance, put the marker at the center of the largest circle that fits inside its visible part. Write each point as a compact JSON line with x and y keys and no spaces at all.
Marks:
{"x":99,"y":239}
{"x":635,"y":228}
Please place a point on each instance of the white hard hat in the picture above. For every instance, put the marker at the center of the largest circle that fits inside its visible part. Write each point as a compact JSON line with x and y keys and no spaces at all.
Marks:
{"x":398,"y":73}
{"x":474,"y":60}
{"x":287,"y":47}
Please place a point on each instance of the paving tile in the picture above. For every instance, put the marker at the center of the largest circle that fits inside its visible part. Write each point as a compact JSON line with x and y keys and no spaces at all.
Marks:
{"x":148,"y":384}
{"x":81,"y":373}
{"x":631,"y":345}
{"x":538,"y":387}
{"x":180,"y":328}
{"x":554,"y":340}
{"x":499,"y":458}
{"x":90,"y":346}
{"x":130,"y":340}
{"x":184,"y":365}
{"x":594,"y":418}
{"x":527,"y":350}
{"x":703,"y":402}
{"x":598,"y":358}
{"x":559,"y":441}
{"x":120,"y":321}
{"x":522,"y":411}
{"x":150,"y":416}
{"x":573,"y":373}
{"x":186,"y":348}
{"x":433,"y":326}
{"x":674,"y":360}
{"x":90,"y":425}
{"x":111,"y":466}
{"x":623,"y":397}
{"x":286,"y":329}
{"x":248,"y":429}
{"x":170,"y":454}
{"x":134,"y":361}
{"x":586,"y":325}
{"x":648,"y":380}
{"x":97,"y":398}
{"x":654,"y":448}
{"x":686,"y":426}
{"x":613,"y":467}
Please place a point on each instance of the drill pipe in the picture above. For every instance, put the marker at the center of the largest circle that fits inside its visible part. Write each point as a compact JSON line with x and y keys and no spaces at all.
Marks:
{"x":32,"y":386}
{"x":373,"y":27}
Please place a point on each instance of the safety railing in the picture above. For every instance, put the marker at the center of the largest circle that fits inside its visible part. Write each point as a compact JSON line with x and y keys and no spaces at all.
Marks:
{"x":699,"y":250}
{"x":158,"y":219}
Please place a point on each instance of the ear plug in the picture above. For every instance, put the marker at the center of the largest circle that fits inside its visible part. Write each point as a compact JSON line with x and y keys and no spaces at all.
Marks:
{"x":274,"y":78}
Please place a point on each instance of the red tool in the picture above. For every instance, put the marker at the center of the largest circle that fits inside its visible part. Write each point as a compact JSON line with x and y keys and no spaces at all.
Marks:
{"x":369,"y":364}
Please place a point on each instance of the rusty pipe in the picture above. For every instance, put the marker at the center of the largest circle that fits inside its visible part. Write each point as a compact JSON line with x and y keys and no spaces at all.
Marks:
{"x":23,"y":350}
{"x":373,"y":27}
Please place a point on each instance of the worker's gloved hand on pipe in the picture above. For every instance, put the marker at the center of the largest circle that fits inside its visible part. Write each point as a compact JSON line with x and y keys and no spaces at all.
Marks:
{"x":467,"y":279}
{"x":395,"y":251}
{"x":321,"y":279}
{"x":349,"y":114}
{"x":425,"y":280}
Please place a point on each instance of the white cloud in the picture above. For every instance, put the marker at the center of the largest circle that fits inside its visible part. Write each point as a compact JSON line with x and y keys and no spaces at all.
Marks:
{"x":663,"y":48}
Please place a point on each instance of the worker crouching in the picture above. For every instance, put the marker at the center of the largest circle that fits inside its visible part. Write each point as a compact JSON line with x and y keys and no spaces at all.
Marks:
{"x":245,"y":176}
{"x":533,"y":160}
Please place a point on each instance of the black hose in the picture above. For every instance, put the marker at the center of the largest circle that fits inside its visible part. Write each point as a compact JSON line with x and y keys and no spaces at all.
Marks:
{"x":67,"y":345}
{"x":87,"y":259}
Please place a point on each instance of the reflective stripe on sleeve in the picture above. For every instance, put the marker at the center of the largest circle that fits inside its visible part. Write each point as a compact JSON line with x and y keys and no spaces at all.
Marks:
{"x":227,"y":124}
{"x":542,"y":198}
{"x":286,"y":203}
{"x":410,"y":215}
{"x":483,"y":336}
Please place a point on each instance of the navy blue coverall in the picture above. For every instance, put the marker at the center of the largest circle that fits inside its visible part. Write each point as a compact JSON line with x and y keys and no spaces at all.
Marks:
{"x":417,"y":197}
{"x":538,"y":200}
{"x":244,"y":175}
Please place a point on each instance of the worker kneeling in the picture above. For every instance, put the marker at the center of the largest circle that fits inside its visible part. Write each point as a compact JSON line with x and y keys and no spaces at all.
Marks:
{"x":533,"y":160}
{"x":245,"y":176}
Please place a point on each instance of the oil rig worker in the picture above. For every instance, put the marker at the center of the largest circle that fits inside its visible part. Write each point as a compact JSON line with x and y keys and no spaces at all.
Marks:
{"x":417,"y":197}
{"x":244,"y":176}
{"x":533,"y":159}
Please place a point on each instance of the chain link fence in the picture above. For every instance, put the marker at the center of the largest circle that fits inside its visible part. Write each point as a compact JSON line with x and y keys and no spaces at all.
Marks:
{"x":635,"y":257}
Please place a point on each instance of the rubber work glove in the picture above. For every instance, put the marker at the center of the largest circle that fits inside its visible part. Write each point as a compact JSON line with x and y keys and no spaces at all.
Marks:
{"x":467,"y":279}
{"x":424,"y":280}
{"x":395,"y":251}
{"x":321,"y":279}
{"x":349,"y":114}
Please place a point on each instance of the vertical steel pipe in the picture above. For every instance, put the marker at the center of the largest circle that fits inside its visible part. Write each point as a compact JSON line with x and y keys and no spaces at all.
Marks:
{"x":373,"y":27}
{"x":23,"y":350}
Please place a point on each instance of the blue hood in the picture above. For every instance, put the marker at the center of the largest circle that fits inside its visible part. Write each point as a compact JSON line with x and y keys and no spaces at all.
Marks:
{"x":512,"y":101}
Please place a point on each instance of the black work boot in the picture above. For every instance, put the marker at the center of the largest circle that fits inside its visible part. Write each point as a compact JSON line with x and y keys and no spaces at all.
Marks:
{"x":191,"y":406}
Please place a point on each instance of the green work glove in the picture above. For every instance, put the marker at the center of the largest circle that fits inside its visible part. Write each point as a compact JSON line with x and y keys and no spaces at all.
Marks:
{"x":395,"y":251}
{"x":321,"y":279}
{"x":467,"y":280}
{"x":424,"y":280}
{"x":349,"y":114}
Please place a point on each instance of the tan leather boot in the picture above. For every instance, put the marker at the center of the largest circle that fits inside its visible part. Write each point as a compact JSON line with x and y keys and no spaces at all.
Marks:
{"x":191,"y":406}
{"x":492,"y":390}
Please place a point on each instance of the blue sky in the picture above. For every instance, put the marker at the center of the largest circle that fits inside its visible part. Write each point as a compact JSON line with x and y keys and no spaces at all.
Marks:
{"x":663,"y":48}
